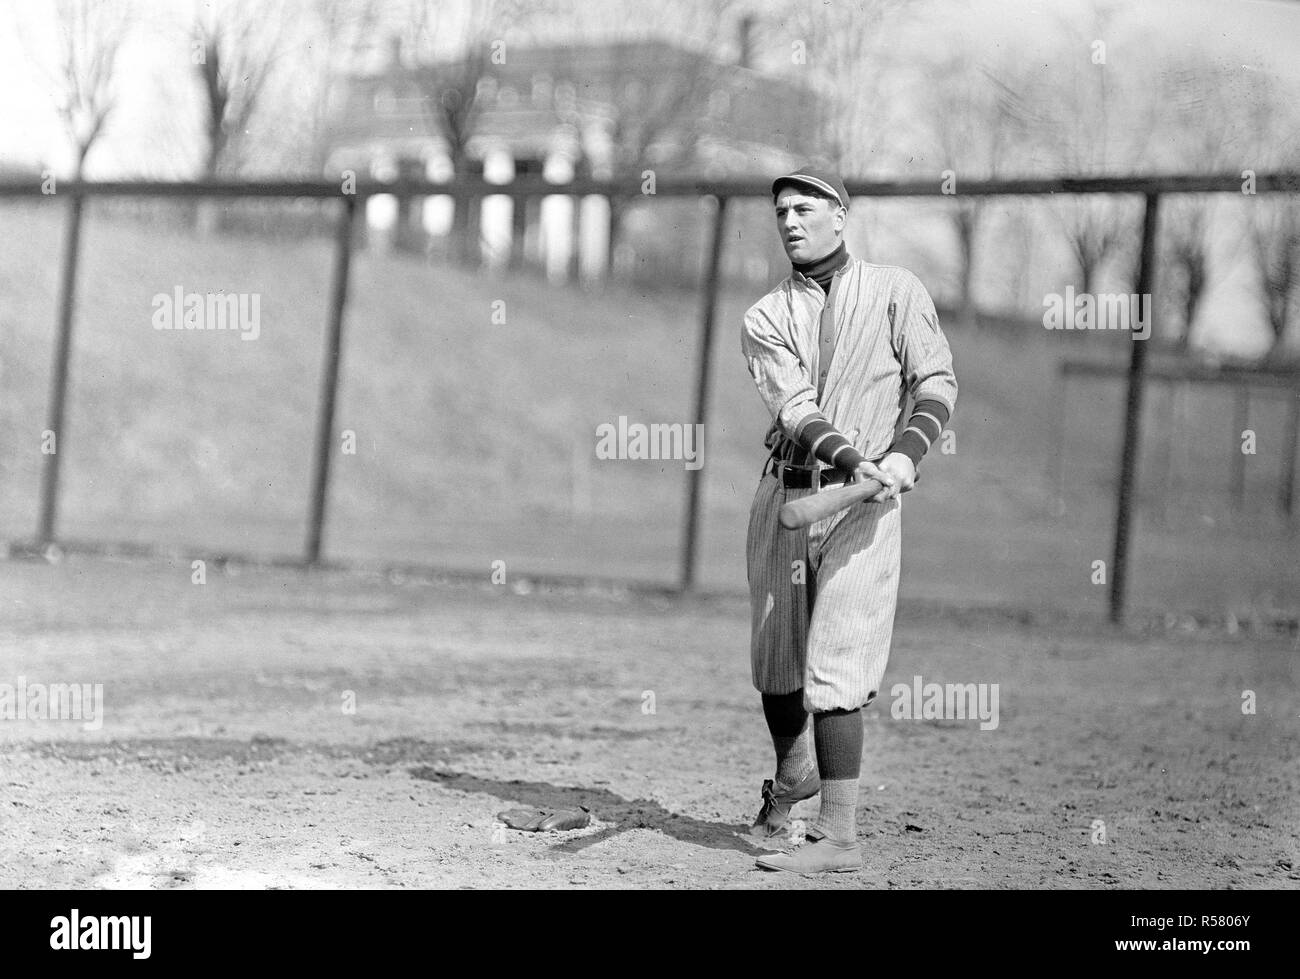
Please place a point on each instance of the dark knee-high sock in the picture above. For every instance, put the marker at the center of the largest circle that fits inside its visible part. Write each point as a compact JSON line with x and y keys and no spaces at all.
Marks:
{"x":838,"y":737}
{"x":787,"y":722}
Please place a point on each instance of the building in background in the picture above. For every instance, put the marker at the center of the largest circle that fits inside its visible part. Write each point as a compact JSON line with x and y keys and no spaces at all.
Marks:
{"x":609,"y":111}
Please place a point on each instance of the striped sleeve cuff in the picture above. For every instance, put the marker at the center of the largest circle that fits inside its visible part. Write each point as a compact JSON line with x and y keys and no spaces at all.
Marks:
{"x":922,"y":431}
{"x":825,"y":442}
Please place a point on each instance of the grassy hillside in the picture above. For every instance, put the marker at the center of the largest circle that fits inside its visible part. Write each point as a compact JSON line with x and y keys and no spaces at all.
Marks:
{"x":475,"y":440}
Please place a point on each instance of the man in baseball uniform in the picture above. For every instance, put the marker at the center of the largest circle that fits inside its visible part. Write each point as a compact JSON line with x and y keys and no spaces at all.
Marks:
{"x":836,"y":351}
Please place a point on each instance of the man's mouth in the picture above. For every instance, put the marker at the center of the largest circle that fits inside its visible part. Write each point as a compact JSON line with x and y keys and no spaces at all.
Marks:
{"x":793,"y":239}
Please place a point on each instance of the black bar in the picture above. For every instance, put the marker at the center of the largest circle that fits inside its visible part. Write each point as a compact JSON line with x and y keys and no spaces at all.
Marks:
{"x":1133,"y":415}
{"x":62,"y":356}
{"x":185,"y":923}
{"x":690,"y":538}
{"x":330,"y":377}
{"x":629,"y":186}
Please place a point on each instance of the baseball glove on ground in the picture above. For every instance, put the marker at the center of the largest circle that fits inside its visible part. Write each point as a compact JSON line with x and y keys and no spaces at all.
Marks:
{"x":546,"y":820}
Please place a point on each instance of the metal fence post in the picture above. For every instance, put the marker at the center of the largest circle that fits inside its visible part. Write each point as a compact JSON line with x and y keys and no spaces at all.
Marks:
{"x":690,"y":536}
{"x":59,"y":383}
{"x":330,"y":376}
{"x":1133,"y":414}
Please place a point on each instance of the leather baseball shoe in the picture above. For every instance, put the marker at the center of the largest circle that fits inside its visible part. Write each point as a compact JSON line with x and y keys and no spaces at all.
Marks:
{"x":820,"y":855}
{"x":774,"y":817}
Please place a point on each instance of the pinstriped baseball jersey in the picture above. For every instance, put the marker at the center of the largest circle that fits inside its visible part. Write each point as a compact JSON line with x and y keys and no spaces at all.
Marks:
{"x":822,"y":599}
{"x":888,"y":343}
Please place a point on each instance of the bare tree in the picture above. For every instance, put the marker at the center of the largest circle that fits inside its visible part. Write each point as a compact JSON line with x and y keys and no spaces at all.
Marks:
{"x":90,"y":38}
{"x":842,"y":51}
{"x":1275,"y":237}
{"x":845,"y":49}
{"x":975,"y":133}
{"x":659,"y":122}
{"x":1274,"y":224}
{"x":455,"y":45}
{"x":235,"y":47}
{"x":1097,"y":227}
{"x":1202,"y":126}
{"x":1090,"y":123}
{"x":328,"y":40}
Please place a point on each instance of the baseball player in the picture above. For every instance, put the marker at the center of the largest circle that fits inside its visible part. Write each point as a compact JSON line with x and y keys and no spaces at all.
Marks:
{"x":835,"y":350}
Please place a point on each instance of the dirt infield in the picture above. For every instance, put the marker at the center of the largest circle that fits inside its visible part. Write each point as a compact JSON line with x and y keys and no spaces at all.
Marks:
{"x":227,"y":758}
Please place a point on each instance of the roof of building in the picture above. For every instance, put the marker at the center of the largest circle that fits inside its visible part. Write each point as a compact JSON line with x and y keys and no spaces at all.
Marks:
{"x":584,"y":93}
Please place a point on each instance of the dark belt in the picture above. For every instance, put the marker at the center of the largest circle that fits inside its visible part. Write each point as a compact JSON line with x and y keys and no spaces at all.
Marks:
{"x":792,"y":478}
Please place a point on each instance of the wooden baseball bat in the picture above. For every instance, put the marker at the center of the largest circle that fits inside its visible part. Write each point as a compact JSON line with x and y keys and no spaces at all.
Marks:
{"x":818,"y":506}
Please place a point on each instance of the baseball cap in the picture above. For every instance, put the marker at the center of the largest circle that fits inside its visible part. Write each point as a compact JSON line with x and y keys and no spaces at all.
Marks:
{"x":818,"y":179}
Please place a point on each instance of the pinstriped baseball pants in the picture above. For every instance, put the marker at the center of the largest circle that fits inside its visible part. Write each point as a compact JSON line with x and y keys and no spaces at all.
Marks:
{"x":829,"y":628}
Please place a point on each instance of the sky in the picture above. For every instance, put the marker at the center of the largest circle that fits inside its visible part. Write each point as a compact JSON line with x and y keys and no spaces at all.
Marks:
{"x":155,"y":131}
{"x":1261,"y":33}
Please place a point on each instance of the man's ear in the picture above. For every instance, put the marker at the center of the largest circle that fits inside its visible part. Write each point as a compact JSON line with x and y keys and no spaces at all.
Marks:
{"x":841,"y":218}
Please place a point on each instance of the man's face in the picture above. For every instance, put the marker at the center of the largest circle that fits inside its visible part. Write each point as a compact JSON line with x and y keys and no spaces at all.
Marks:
{"x":810,"y":227}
